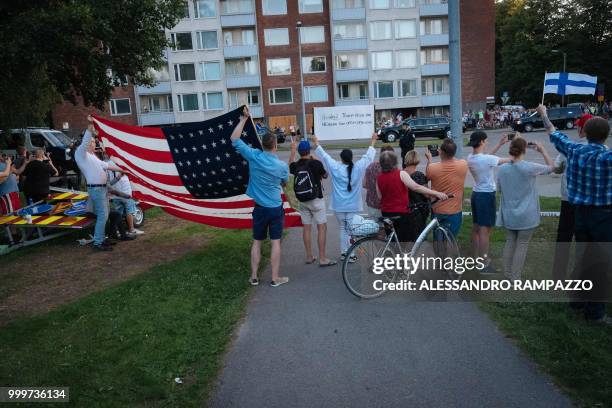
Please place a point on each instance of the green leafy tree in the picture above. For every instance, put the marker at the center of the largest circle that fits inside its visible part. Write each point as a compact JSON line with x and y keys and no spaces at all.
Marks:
{"x":54,"y":49}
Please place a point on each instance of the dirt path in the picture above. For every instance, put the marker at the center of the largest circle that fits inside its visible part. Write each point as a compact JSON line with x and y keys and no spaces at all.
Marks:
{"x":46,"y":278}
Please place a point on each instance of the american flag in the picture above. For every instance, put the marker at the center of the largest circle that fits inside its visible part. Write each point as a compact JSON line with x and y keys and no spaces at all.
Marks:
{"x":190,"y":170}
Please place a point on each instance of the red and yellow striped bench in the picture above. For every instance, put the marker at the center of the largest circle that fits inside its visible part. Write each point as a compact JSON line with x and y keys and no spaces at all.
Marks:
{"x":56,"y":221}
{"x":68,"y":196}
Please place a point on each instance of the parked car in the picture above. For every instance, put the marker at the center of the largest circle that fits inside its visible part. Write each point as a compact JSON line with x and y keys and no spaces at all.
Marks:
{"x":56,"y":143}
{"x":562,"y":118}
{"x":438,"y":126}
{"x":279,"y":132}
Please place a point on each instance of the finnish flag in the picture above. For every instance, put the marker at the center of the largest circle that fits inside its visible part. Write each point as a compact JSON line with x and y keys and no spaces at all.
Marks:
{"x":564,"y":83}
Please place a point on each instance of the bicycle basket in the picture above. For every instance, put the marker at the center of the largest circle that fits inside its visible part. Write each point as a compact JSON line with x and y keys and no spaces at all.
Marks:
{"x":361,"y":227}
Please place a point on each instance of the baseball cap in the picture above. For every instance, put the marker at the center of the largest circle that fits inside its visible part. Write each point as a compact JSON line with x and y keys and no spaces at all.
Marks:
{"x":476,"y":138}
{"x":583,"y":119}
{"x":304,"y":146}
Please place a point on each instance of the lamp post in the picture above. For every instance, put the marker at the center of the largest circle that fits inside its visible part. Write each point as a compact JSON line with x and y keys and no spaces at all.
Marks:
{"x":454,"y":53}
{"x":564,"y":69}
{"x":303,"y":118}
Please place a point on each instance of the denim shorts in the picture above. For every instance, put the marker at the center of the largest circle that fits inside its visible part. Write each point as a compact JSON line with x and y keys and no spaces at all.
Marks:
{"x":450,"y":221}
{"x":266,"y":219}
{"x":124,"y":205}
{"x":483,"y":208}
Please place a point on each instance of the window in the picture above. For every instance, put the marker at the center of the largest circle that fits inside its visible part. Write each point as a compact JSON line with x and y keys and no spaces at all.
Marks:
{"x":405,"y":29}
{"x":38,"y":139}
{"x":188,"y":102}
{"x":212,"y":100}
{"x":380,"y":30}
{"x":349,"y":30}
{"x":280,"y":95}
{"x":274,"y":7}
{"x":184,"y":72}
{"x":382,"y":60}
{"x":236,"y":6}
{"x":278,"y":66}
{"x":379,"y":4}
{"x":210,"y":71}
{"x":315,"y":93}
{"x":181,"y":41}
{"x":311,"y":6}
{"x":353,"y":91}
{"x":405,"y":3}
{"x":312,"y":35}
{"x":312,"y":65}
{"x":253,"y":97}
{"x":207,"y":40}
{"x":383,"y":89}
{"x":239,"y":37}
{"x":434,"y":56}
{"x":434,"y":86}
{"x":120,"y":107}
{"x":157,"y":103}
{"x":434,"y":26}
{"x":342,"y":4}
{"x":407,"y":87}
{"x":351,"y":61}
{"x":276,"y":36}
{"x":241,"y":66}
{"x":406,"y":59}
{"x":205,"y":8}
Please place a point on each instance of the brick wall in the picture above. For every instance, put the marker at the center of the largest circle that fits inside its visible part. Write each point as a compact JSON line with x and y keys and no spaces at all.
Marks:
{"x":477,"y":52}
{"x":76,"y":115}
{"x":289,"y":21}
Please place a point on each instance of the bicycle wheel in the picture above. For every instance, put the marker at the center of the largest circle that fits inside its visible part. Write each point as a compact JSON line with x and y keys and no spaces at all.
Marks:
{"x":359,"y":276}
{"x":446,"y":246}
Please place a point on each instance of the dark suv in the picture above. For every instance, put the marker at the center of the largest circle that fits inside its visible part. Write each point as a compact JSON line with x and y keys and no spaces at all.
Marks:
{"x":562,"y":118}
{"x":437,"y":126}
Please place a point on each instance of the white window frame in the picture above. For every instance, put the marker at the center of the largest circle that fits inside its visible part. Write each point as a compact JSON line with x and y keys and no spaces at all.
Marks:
{"x":199,"y":39}
{"x":266,"y":12}
{"x":314,"y":72}
{"x":307,"y":90}
{"x":397,"y":26}
{"x":374,"y":68}
{"x":180,"y":103}
{"x":376,"y":93}
{"x":195,"y":10}
{"x":177,"y":72}
{"x":363,"y":25}
{"x":269,"y":60}
{"x":271,"y":91}
{"x":364,"y":54}
{"x":371,"y":2}
{"x":203,"y":71}
{"x":399,"y":88}
{"x":310,"y":28}
{"x":335,"y":5}
{"x":301,"y":11}
{"x":205,"y":103}
{"x":230,"y":13}
{"x":174,"y":42}
{"x":250,"y":100}
{"x":113,"y":106}
{"x":386,"y":22}
{"x":397,"y":59}
{"x":270,"y":31}
{"x":414,"y":4}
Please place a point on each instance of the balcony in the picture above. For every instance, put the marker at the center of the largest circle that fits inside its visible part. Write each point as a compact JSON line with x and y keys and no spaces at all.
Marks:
{"x":238,"y":20}
{"x":352,"y":102}
{"x":435,"y":100}
{"x":351,"y":75}
{"x":155,"y":118}
{"x":431,"y":40}
{"x":256,"y":111}
{"x":349,"y":14}
{"x":239,"y":51}
{"x":434,"y":69}
{"x":243,"y":81}
{"x":351,"y":44}
{"x":160,"y":88}
{"x":428,"y":10}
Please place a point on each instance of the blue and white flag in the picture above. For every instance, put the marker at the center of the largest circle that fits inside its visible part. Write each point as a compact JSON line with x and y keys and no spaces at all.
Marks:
{"x":567,"y":83}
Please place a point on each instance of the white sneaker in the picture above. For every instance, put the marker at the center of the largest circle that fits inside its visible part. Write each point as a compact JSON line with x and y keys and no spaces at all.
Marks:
{"x":136,"y":231}
{"x":279,"y":281}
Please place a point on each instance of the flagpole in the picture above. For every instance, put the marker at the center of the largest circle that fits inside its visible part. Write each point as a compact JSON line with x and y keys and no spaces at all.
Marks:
{"x":544,"y":86}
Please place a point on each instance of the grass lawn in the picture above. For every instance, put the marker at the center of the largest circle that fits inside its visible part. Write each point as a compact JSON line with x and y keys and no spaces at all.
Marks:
{"x":125,"y":345}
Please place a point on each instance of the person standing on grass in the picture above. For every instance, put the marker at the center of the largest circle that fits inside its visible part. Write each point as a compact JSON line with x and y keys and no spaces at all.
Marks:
{"x":589,"y":190}
{"x":369,"y":183}
{"x":347,"y":178}
{"x":482,"y":167}
{"x":418,"y":201}
{"x":267,"y":176}
{"x":519,"y":210}
{"x":309,"y":173}
{"x":448,"y":175}
{"x":565,"y":229}
{"x":406,"y":141}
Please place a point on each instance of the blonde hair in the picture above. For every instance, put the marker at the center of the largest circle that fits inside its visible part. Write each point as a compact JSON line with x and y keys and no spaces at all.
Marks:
{"x":412,"y":158}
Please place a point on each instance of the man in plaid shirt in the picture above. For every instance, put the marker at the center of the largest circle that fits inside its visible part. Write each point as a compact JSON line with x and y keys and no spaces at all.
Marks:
{"x":589,"y":189}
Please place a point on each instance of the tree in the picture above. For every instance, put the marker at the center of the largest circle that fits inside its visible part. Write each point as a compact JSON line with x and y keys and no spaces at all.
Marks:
{"x":54,"y":49}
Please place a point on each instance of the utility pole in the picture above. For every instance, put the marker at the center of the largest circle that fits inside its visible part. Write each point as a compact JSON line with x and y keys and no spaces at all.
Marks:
{"x":454,"y":53}
{"x":303,"y":116}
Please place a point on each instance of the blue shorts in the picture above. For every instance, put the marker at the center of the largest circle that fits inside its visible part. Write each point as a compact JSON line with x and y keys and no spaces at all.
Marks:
{"x":450,"y":221}
{"x":483,"y":208}
{"x":124,"y":205}
{"x":268,"y":219}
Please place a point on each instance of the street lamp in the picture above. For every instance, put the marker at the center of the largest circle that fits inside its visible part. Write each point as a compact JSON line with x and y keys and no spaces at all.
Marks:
{"x":303,"y":124}
{"x":564,"y":69}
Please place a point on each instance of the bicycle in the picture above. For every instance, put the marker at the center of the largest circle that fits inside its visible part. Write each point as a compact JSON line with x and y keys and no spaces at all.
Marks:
{"x":358,"y":274}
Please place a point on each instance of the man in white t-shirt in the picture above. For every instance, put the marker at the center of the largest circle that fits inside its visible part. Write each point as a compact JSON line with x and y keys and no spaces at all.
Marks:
{"x":121,"y":198}
{"x":482,"y":167}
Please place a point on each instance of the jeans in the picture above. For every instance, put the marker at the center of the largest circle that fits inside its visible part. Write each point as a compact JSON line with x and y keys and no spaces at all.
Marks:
{"x":452,"y":222}
{"x":344,"y":219}
{"x":99,"y":200}
{"x":515,"y":252}
{"x":565,"y":234}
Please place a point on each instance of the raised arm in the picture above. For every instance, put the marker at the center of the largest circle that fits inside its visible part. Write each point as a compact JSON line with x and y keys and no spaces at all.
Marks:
{"x":550,"y":128}
{"x":368,"y":158}
{"x":414,"y":186}
{"x":240,"y":126}
{"x":329,"y":162}
{"x":545,"y":155}
{"x":293,"y":150}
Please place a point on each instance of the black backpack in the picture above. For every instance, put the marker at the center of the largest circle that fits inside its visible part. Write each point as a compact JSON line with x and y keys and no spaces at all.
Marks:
{"x":305,"y":185}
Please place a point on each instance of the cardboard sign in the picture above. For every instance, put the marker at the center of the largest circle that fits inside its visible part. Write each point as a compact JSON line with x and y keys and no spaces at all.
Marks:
{"x":344,"y":122}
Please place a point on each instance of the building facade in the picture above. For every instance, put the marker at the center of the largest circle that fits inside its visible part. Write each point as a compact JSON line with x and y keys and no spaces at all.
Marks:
{"x":392,"y":54}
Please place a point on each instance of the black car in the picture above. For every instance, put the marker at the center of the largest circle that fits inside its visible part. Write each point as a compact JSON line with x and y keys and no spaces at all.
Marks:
{"x":437,"y":126}
{"x":280,"y":133}
{"x":562,"y":118}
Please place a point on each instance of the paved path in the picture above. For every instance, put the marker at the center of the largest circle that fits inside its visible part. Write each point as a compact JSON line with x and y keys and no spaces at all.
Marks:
{"x":312,"y":344}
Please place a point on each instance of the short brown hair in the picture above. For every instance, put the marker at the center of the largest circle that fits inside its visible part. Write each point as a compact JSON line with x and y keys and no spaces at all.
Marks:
{"x":412,"y":158}
{"x":596,"y":130}
{"x":518,"y":146}
{"x":387,"y":148}
{"x":448,"y":147}
{"x":268,"y":141}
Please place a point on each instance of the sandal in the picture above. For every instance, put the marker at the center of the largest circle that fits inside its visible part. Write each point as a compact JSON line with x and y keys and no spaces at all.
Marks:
{"x":314,"y":259}
{"x":329,"y":263}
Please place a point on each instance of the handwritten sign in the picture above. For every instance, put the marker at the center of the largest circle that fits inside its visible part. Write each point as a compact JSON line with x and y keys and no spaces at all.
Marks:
{"x":344,"y":122}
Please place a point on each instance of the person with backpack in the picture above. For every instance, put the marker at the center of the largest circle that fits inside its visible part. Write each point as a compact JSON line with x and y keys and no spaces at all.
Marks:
{"x":308,"y":173}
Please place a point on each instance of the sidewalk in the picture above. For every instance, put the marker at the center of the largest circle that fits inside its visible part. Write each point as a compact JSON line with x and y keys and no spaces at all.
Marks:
{"x":311,"y":343}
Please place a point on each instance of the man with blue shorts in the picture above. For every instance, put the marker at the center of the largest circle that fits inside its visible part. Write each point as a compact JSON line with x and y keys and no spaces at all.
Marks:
{"x":267,"y":175}
{"x":482,"y":167}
